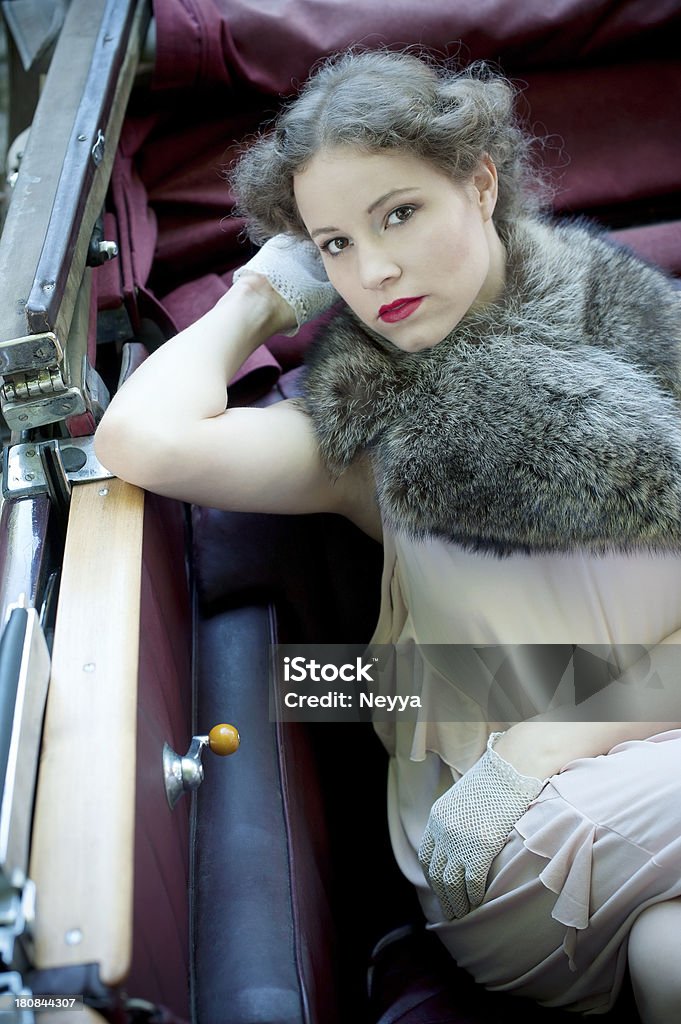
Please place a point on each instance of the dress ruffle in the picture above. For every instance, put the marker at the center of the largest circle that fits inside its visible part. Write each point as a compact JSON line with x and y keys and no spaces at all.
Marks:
{"x":566,"y":839}
{"x":448,"y":723}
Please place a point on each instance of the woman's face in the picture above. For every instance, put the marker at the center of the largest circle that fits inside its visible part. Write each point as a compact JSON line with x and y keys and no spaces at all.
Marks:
{"x":409,"y":250}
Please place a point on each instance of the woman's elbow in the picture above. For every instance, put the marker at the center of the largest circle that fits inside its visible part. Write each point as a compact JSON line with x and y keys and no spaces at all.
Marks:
{"x":116,"y":445}
{"x":132,"y":451}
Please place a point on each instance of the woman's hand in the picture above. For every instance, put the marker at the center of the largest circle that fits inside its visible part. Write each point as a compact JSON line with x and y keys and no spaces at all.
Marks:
{"x":294,"y":271}
{"x":266,"y":305}
{"x":469,"y":825}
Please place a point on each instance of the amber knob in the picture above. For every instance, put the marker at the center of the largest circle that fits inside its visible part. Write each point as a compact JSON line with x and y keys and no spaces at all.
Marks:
{"x":223,"y":739}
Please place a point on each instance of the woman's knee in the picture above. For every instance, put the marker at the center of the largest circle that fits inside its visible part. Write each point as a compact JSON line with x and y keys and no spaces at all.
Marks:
{"x":654,"y":960}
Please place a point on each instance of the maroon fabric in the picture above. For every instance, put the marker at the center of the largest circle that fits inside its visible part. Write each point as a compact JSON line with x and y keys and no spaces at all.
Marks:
{"x":615,"y":131}
{"x":660,"y":244}
{"x":188,"y":302}
{"x":160,"y":909}
{"x":247,"y":42}
{"x":130,"y":221}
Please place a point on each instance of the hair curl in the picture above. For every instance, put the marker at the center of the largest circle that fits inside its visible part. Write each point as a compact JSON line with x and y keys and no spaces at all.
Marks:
{"x":382,"y":100}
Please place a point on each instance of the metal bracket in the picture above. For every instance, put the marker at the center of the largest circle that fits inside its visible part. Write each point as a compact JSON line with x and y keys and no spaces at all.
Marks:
{"x":185,"y":774}
{"x":23,"y":472}
{"x":11,"y":986}
{"x":17,"y":914}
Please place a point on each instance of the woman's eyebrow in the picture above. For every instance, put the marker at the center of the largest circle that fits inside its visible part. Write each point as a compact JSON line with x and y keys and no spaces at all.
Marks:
{"x":322,"y":231}
{"x":390,"y":195}
{"x":377,"y":202}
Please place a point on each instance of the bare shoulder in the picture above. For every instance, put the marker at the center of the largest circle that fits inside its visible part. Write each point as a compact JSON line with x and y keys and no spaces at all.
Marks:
{"x":353,"y":494}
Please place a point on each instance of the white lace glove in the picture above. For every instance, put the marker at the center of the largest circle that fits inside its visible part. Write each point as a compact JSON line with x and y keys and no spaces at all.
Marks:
{"x":295,"y":270}
{"x":469,"y":825}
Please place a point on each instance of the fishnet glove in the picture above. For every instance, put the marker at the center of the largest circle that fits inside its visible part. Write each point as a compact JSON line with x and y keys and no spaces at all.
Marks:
{"x":469,"y":825}
{"x":295,"y":270}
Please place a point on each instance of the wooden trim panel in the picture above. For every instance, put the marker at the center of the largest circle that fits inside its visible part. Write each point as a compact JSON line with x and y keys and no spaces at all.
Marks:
{"x":82,"y":849}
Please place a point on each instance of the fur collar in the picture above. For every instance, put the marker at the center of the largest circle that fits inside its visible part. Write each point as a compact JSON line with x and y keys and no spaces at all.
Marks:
{"x":548,"y":421}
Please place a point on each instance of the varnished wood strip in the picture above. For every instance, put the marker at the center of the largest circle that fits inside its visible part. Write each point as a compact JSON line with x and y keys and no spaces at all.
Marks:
{"x":82,"y":846}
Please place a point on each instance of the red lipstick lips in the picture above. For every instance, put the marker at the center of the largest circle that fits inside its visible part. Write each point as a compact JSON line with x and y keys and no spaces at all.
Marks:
{"x":400,"y":309}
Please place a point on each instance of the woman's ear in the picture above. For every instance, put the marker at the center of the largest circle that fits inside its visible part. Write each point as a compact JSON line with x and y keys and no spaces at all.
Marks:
{"x":486,"y":183}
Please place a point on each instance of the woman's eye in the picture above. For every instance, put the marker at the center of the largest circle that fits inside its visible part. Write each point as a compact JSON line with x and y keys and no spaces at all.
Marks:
{"x":335,"y":246}
{"x":400,"y":215}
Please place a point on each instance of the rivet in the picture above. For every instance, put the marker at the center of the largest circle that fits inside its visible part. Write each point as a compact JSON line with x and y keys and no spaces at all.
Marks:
{"x":89,"y":666}
{"x":73,"y":937}
{"x":82,"y":138}
{"x":103,"y":491}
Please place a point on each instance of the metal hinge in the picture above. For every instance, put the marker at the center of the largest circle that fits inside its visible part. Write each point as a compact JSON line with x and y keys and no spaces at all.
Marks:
{"x":26,"y":471}
{"x":44,"y":381}
{"x":37,"y":397}
{"x":34,"y":391}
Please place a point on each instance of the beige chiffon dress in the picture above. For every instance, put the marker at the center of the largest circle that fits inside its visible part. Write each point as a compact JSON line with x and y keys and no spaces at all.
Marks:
{"x":603,"y":839}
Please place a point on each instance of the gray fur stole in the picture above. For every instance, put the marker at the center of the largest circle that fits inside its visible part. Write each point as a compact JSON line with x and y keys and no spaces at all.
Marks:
{"x":548,"y":421}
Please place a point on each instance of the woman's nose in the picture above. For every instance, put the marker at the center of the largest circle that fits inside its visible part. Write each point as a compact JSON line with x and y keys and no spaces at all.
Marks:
{"x":376,"y":267}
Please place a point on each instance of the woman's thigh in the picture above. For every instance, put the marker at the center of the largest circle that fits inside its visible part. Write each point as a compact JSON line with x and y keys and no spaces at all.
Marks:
{"x":655,"y":960}
{"x":634,"y":790}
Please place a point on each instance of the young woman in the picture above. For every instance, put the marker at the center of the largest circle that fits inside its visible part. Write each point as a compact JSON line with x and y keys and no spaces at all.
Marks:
{"x":498,"y":401}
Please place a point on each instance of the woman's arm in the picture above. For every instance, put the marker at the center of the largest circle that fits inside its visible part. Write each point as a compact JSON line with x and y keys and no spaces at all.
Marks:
{"x":168,"y":428}
{"x":541,"y":749}
{"x":647,"y":689}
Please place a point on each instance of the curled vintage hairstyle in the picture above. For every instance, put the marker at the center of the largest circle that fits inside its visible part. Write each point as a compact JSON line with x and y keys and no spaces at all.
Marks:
{"x":379,"y":100}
